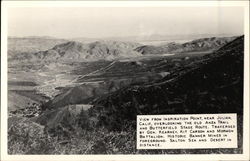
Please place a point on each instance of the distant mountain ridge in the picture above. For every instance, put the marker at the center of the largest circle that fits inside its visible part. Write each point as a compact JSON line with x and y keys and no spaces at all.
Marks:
{"x":203,"y":44}
{"x":156,"y":37}
{"x":58,"y":49}
{"x":17,"y":45}
{"x":73,"y":50}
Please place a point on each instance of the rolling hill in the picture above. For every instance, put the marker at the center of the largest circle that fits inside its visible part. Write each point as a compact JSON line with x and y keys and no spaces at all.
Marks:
{"x":17,"y":45}
{"x":77,"y":51}
{"x":204,"y":44}
{"x":19,"y":99}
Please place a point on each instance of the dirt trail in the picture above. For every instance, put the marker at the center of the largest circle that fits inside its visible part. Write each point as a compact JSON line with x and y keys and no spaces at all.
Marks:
{"x":94,"y":72}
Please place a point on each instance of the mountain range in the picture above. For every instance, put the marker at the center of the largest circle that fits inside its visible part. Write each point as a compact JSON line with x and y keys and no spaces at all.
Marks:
{"x":204,"y":44}
{"x":38,"y":49}
{"x":73,"y":50}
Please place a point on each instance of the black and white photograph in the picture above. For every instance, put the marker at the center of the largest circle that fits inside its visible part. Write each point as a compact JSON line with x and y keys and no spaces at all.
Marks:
{"x":127,"y":80}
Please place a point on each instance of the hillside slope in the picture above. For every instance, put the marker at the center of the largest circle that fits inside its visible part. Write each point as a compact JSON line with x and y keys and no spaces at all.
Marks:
{"x":211,"y":85}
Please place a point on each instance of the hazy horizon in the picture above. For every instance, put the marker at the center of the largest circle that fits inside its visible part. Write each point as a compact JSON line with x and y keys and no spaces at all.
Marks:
{"x":124,"y":22}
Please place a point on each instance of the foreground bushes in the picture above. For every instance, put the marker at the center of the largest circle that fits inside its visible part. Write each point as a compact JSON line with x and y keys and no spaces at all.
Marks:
{"x":98,"y":141}
{"x":27,"y":137}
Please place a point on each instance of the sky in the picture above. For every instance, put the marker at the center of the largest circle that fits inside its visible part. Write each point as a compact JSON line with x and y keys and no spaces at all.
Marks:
{"x":93,"y":22}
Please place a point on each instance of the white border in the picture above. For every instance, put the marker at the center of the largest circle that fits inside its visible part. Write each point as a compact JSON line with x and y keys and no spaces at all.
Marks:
{"x":7,"y":4}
